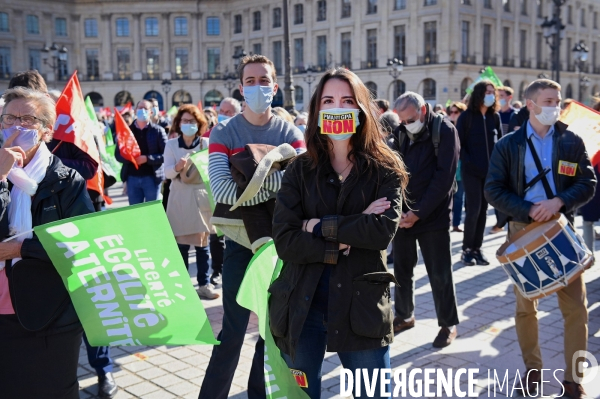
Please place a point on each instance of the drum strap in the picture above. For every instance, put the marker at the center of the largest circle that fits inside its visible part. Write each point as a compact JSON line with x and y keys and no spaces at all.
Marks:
{"x":538,"y":165}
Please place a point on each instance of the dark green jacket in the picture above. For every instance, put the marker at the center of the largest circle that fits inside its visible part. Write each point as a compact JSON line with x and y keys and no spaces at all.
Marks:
{"x":359,"y":305}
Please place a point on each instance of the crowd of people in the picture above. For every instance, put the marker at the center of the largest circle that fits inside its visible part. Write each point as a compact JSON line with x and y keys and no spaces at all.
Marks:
{"x":397,"y":176}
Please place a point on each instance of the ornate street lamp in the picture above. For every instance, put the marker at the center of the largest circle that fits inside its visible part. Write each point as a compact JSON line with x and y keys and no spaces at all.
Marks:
{"x":553,"y":33}
{"x":59,"y":56}
{"x":309,"y":78}
{"x":395,"y":67}
{"x":580,"y":54}
{"x":166,"y":86}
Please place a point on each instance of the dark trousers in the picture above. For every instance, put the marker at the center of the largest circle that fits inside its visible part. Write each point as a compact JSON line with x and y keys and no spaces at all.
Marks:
{"x":217,"y":246}
{"x":98,"y":357}
{"x":475,"y":213}
{"x":435,"y":247}
{"x":457,"y":203}
{"x":501,"y":218}
{"x":201,"y":262}
{"x":225,"y":357}
{"x":33,"y":367}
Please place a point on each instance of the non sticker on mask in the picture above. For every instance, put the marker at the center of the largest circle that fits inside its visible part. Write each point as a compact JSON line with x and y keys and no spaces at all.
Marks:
{"x":338,"y":122}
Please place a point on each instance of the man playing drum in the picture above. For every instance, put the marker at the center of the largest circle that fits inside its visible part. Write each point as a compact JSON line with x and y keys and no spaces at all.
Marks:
{"x":544,"y":151}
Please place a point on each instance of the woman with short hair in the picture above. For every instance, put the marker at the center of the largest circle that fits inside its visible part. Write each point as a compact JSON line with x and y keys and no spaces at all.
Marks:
{"x":40,"y":334}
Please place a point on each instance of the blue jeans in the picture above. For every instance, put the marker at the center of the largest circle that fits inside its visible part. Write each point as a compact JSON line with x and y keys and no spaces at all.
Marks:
{"x":310,"y":352}
{"x":225,"y":357}
{"x":142,"y":189}
{"x":457,"y":204}
{"x":99,"y":358}
{"x":201,"y":262}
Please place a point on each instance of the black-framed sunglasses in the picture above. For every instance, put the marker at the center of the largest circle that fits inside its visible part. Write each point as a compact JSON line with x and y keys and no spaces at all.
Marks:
{"x":26,"y":120}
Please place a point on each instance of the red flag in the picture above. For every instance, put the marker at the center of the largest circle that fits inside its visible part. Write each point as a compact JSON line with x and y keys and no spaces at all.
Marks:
{"x":73,"y":123}
{"x":128,"y":146}
{"x":127,"y":107}
{"x":585,"y":122}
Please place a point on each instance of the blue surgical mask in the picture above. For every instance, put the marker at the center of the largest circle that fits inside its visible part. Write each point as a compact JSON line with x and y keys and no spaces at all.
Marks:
{"x":26,"y":139}
{"x":155,"y":110}
{"x":142,"y":114}
{"x":258,"y":98}
{"x":502,"y":102}
{"x":189,"y":129}
{"x":489,"y":99}
{"x":222,"y":118}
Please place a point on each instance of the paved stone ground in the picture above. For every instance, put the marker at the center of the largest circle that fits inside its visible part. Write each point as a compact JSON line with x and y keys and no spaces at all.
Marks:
{"x":486,"y":338}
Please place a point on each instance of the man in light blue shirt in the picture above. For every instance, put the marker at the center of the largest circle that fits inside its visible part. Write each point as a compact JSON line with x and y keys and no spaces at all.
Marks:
{"x":543,"y":148}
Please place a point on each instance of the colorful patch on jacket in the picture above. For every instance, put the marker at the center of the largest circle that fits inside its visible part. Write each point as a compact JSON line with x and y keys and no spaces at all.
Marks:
{"x":567,"y":168}
{"x":300,"y":377}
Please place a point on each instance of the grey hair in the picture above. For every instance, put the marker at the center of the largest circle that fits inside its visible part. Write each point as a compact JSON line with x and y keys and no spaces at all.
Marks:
{"x":389,"y":121}
{"x":234,"y":103}
{"x":45,"y":106}
{"x":409,"y":98}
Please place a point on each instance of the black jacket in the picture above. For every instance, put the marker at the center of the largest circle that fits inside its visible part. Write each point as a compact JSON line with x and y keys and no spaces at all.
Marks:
{"x":505,"y":182}
{"x":61,"y":194}
{"x":431,"y":179}
{"x":518,"y":119}
{"x":359,"y":304}
{"x":73,"y":157}
{"x":473,"y":155}
{"x":156,"y":139}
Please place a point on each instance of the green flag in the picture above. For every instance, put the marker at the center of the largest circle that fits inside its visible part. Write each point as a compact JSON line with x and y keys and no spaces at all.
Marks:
{"x":262,"y":270}
{"x":487,"y":74}
{"x":109,"y":137}
{"x":200,"y":159}
{"x":90,"y":109}
{"x":108,"y":156}
{"x":126,"y":277}
{"x":172,"y":111}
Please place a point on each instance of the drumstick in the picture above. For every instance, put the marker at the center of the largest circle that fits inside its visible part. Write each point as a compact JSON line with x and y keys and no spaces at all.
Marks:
{"x":536,"y":179}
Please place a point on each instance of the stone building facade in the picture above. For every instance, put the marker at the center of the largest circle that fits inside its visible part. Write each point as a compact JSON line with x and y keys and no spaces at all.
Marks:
{"x":124,"y":49}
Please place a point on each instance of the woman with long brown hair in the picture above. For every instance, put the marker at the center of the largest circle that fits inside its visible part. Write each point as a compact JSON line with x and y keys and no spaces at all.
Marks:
{"x":337,"y":211}
{"x":188,"y":208}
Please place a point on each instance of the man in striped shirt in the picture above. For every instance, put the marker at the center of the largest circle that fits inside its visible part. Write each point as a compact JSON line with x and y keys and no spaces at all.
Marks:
{"x":256,"y":125}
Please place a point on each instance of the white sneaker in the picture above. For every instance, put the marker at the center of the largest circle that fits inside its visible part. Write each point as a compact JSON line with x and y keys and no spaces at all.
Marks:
{"x":207,"y":292}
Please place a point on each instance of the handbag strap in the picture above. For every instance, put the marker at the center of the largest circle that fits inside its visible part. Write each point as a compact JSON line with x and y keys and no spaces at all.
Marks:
{"x":538,"y":165}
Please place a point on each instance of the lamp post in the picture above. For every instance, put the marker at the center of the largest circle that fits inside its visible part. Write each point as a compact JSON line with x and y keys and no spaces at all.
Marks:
{"x":580,"y":53}
{"x":552,"y":31}
{"x":166,"y":86}
{"x":58,"y":57}
{"x":229,"y":83}
{"x":309,"y":78}
{"x":289,"y":102}
{"x":395,"y":67}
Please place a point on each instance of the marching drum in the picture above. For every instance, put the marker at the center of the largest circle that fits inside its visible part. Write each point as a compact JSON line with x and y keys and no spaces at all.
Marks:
{"x":544,"y":257}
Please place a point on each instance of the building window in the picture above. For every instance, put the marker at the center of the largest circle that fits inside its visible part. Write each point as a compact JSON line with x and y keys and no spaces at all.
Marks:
{"x":523,"y":7}
{"x":299,"y":52}
{"x":372,"y":86}
{"x":256,"y":20}
{"x":152,"y":63}
{"x":347,"y":49}
{"x":321,"y":10}
{"x":237,"y":50}
{"x":298,"y":14}
{"x":299,"y":94}
{"x":430,"y":2}
{"x":237,"y":24}
{"x":399,"y":88}
{"x":594,"y":55}
{"x":214,"y":60}
{"x":487,"y":42}
{"x":372,"y":47}
{"x":465,"y":2}
{"x":63,"y":67}
{"x":371,"y":6}
{"x":181,"y":62}
{"x":213,"y":26}
{"x":430,"y":45}
{"x":429,"y":89}
{"x":277,"y":17}
{"x":582,"y":17}
{"x":523,"y":48}
{"x":322,"y":52}
{"x":570,"y":14}
{"x":91,"y":60}
{"x":505,"y":44}
{"x":181,"y":26}
{"x":257,"y":48}
{"x":595,"y":20}
{"x":346,"y":8}
{"x":33,"y":25}
{"x":122,"y":27}
{"x":151,"y":26}
{"x":4,"y":62}
{"x":538,"y":47}
{"x":506,"y":5}
{"x":569,"y":53}
{"x":91,"y":27}
{"x":123,"y":63}
{"x":34,"y":59}
{"x":540,"y":8}
{"x":400,"y":42}
{"x":399,"y":4}
{"x":278,"y":56}
{"x":465,"y":39}
{"x":487,"y":4}
{"x":60,"y":27}
{"x":3,"y":22}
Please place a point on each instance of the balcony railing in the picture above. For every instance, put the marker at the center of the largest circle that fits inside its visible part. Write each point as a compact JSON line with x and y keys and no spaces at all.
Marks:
{"x":469,"y":59}
{"x":525,"y":63}
{"x":181,"y":76}
{"x":571,"y":67}
{"x":542,"y":65}
{"x":597,"y":70}
{"x":5,"y":75}
{"x":508,"y":62}
{"x":427,"y":59}
{"x":320,"y":67}
{"x":213,"y":76}
{"x":489,"y":61}
{"x":346,"y":64}
{"x":299,"y":69}
{"x":372,"y":64}
{"x":151,"y":76}
{"x":123,"y":76}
